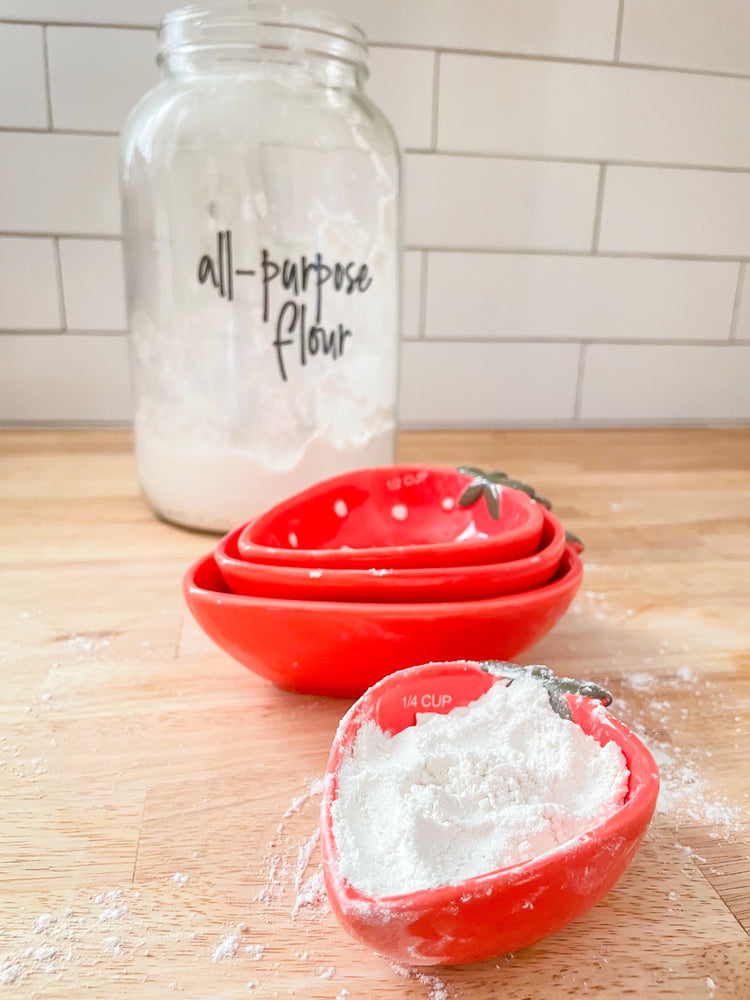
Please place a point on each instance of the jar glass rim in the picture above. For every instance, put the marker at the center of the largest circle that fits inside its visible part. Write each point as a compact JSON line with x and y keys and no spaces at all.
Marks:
{"x":245,"y":25}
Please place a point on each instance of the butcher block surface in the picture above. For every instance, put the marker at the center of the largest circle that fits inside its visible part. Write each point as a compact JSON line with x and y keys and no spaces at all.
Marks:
{"x":160,"y":802}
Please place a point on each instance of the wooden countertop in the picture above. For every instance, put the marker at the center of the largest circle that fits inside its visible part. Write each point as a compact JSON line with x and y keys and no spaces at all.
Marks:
{"x":159,"y":801}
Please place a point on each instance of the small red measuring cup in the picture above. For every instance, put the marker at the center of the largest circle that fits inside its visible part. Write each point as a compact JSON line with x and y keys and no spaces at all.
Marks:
{"x":395,"y":515}
{"x":498,"y":911}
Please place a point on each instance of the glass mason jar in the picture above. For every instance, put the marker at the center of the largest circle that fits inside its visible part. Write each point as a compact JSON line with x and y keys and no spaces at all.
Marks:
{"x":260,"y":194}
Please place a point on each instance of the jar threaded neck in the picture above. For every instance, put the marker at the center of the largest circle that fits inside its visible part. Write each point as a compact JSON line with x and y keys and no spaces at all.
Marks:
{"x":242,"y":30}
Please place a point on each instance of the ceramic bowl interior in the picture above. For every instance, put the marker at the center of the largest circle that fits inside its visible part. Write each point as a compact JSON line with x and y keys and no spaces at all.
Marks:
{"x":389,"y":516}
{"x":498,"y":911}
{"x":342,"y":647}
{"x":245,"y":576}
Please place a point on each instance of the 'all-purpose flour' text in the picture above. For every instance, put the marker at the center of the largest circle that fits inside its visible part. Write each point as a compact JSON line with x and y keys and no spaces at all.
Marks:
{"x":299,"y":328}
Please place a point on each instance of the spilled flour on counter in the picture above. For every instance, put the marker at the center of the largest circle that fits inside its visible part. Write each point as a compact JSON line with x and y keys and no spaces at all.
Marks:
{"x":491,"y":784}
{"x":686,"y":793}
{"x":292,"y":862}
{"x":437,"y":987}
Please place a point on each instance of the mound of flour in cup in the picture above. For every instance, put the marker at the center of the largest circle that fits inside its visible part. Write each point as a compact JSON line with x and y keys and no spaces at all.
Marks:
{"x":497,"y":782}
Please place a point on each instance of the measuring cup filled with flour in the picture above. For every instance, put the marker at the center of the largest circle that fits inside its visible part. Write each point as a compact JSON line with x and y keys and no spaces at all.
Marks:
{"x":260,"y":195}
{"x":473,"y":809}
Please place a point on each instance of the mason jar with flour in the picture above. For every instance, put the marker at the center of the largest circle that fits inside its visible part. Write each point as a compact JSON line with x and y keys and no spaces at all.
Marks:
{"x":260,"y":194}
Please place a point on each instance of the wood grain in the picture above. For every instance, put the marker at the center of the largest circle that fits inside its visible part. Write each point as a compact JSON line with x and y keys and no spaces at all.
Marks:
{"x":160,"y":802}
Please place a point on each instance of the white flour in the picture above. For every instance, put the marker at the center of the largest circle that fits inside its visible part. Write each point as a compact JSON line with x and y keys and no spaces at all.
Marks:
{"x":217,"y":488}
{"x":494,"y":783}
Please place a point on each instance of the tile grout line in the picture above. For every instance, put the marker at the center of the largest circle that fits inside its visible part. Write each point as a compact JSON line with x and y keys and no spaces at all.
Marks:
{"x":45,"y":235}
{"x":51,"y":130}
{"x":47,"y":85}
{"x":520,"y":251}
{"x":589,"y":161}
{"x":423,"y":271}
{"x":50,"y":22}
{"x":467,"y":154}
{"x":580,"y":372}
{"x":618,"y":30}
{"x":538,"y":341}
{"x":33,"y":331}
{"x":541,"y":341}
{"x":435,"y":98}
{"x":734,"y":321}
{"x":59,"y":282}
{"x":598,"y":208}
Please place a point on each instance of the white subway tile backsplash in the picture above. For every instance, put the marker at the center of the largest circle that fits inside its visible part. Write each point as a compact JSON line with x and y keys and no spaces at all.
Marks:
{"x":577,"y":218}
{"x":401,"y":85}
{"x":695,"y":34}
{"x":487,"y":295}
{"x":74,"y":378}
{"x":541,"y":108}
{"x":128,"y":12}
{"x":658,"y":210}
{"x":23,"y":101}
{"x":411,"y":294}
{"x":476,"y":202}
{"x":93,"y":285}
{"x":650,"y":382}
{"x":29,"y":296}
{"x":583,"y":29}
{"x":122,"y":61}
{"x":484,"y":384}
{"x":59,"y":184}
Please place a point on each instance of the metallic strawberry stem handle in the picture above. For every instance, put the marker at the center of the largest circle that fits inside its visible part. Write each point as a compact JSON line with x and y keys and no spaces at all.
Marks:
{"x":485,"y":484}
{"x":556,"y":687}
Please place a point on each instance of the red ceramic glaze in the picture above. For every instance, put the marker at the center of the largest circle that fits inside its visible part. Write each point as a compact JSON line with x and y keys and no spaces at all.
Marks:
{"x":451,"y":583}
{"x":396,"y":515}
{"x":499,"y":911}
{"x":341,"y":648}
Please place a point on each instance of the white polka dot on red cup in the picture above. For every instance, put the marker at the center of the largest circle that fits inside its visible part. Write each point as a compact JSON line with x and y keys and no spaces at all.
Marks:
{"x":399,"y":512}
